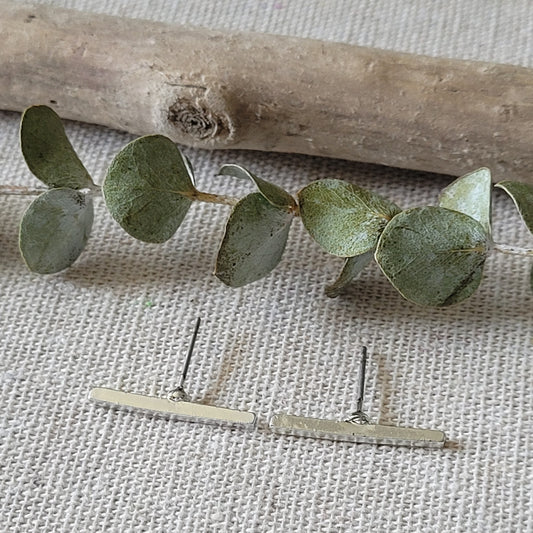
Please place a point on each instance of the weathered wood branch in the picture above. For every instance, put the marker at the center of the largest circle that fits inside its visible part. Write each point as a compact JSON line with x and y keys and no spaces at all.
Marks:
{"x":214,"y":89}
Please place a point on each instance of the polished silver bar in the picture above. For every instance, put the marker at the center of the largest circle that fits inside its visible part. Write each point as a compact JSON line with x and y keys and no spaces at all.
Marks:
{"x":319,"y":428}
{"x":177,"y":410}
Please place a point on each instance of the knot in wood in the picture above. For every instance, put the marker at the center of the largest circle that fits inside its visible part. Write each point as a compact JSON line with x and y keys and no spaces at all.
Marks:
{"x":196,"y":121}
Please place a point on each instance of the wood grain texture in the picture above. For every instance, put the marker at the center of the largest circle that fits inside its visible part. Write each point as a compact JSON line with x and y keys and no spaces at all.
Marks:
{"x":214,"y":89}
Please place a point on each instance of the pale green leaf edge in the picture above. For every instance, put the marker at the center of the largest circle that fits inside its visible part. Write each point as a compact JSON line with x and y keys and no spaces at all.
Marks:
{"x":76,"y":250}
{"x":39,"y":117}
{"x":470,"y":194}
{"x":277,"y":196}
{"x":353,"y":266}
{"x":157,"y":235}
{"x":348,"y":245}
{"x":523,"y":200}
{"x":227,"y":274}
{"x":462,"y":296}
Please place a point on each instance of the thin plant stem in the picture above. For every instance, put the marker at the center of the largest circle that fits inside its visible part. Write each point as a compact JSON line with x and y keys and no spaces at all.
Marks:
{"x":512,"y":250}
{"x":210,"y":198}
{"x":19,"y":190}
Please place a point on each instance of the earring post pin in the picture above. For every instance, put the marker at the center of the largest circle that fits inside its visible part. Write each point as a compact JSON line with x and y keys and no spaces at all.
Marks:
{"x":189,"y":354}
{"x":357,"y":428}
{"x":177,"y":404}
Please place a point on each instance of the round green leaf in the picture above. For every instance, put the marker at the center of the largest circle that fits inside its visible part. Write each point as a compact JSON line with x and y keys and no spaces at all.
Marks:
{"x":48,"y":152}
{"x":353,"y":266}
{"x":344,"y":219}
{"x":274,"y":194}
{"x":522,"y":195}
{"x":147,"y":187}
{"x":254,"y":241}
{"x":471,"y":195}
{"x":55,"y":229}
{"x":432,"y":255}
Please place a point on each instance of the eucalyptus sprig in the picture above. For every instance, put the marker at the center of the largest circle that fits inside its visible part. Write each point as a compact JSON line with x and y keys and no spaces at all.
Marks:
{"x":433,"y":255}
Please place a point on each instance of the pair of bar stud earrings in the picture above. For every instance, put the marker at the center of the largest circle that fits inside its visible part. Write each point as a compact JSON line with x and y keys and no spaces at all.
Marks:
{"x":357,"y":428}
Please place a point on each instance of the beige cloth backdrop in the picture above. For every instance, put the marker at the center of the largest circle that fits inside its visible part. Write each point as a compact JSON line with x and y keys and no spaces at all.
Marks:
{"x":123,"y":316}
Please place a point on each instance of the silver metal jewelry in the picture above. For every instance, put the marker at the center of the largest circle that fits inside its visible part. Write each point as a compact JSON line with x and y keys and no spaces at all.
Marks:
{"x":177,"y":403}
{"x":357,"y":427}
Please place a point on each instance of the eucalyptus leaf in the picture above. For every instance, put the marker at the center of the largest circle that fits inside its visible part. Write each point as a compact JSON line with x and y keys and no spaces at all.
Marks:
{"x":344,"y":219}
{"x":471,"y":195}
{"x":254,"y":241}
{"x":432,"y":255}
{"x":274,"y":194}
{"x":522,"y":195}
{"x":148,"y":188}
{"x":48,"y":152}
{"x":353,"y":266}
{"x":55,"y":229}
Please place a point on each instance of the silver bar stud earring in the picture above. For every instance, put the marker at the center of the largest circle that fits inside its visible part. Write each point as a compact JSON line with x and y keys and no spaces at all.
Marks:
{"x":357,"y":428}
{"x":177,"y":404}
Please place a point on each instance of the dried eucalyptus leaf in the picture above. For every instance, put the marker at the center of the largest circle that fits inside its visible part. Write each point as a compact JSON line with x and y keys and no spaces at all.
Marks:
{"x":432,"y":255}
{"x":471,"y":195}
{"x":55,"y":229}
{"x":522,"y":195}
{"x":353,"y":266}
{"x":254,"y":240}
{"x":48,"y":152}
{"x":146,"y":188}
{"x":344,"y":219}
{"x":274,"y":194}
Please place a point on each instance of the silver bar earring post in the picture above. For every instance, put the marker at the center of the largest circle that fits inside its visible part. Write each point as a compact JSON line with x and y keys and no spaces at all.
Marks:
{"x":176,"y":404}
{"x":357,"y":428}
{"x":359,"y":417}
{"x":179,"y":394}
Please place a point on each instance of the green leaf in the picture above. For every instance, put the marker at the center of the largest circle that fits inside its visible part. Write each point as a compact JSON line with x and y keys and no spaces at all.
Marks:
{"x":147,"y":187}
{"x":432,"y":255}
{"x":344,"y":219}
{"x":471,"y":195}
{"x":353,"y":266}
{"x":48,"y":152}
{"x":254,"y":240}
{"x":55,"y":229}
{"x":274,"y":194}
{"x":522,"y":195}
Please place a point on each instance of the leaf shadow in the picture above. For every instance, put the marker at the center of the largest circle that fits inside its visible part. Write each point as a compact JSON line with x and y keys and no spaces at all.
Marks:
{"x":9,"y":243}
{"x":228,"y":363}
{"x":486,"y":305}
{"x":385,"y":380}
{"x":116,"y":269}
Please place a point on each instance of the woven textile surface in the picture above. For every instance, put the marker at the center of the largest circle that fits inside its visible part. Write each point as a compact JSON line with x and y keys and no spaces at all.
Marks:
{"x":123,"y":315}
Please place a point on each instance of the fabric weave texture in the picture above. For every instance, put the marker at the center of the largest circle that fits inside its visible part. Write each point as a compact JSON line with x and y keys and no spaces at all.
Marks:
{"x":122,"y":316}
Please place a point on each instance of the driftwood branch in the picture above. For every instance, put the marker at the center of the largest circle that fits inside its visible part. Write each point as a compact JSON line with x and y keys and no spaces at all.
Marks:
{"x":214,"y":89}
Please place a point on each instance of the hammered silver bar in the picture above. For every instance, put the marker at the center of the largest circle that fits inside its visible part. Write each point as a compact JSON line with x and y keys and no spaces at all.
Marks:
{"x":319,"y":428}
{"x":180,"y":410}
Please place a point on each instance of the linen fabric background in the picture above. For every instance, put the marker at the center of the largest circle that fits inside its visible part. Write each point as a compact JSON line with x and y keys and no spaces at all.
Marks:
{"x":123,"y":315}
